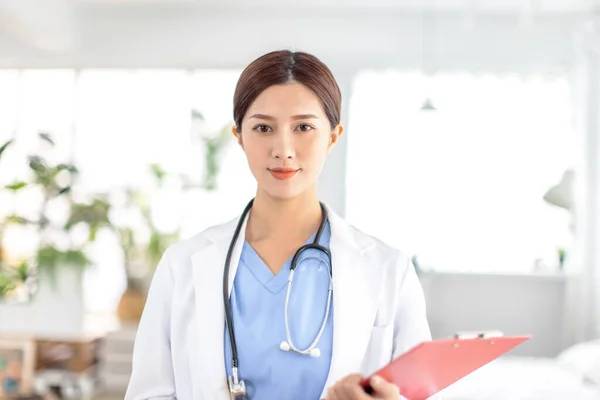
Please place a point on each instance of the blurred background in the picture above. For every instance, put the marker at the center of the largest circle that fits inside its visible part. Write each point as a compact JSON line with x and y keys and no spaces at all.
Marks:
{"x":472,"y":143}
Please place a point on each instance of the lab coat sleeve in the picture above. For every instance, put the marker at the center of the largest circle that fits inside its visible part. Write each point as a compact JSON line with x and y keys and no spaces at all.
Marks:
{"x":411,"y":325}
{"x":152,"y":374}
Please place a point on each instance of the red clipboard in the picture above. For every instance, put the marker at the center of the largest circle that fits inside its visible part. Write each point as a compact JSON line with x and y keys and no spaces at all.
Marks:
{"x":432,"y":366}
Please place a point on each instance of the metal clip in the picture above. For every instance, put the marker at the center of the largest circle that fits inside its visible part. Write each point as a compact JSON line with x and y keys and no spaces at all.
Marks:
{"x":477,"y":335}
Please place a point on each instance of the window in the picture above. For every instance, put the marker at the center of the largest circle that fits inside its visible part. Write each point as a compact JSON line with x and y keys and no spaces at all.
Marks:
{"x":113,"y":124}
{"x":461,"y":187}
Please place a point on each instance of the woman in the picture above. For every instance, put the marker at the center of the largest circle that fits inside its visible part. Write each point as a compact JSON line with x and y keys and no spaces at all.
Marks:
{"x":223,"y":317}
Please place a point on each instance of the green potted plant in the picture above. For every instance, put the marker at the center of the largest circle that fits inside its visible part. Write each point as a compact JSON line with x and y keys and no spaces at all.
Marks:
{"x":142,"y":243}
{"x":53,"y":182}
{"x":7,"y":283}
{"x":17,"y":283}
{"x":214,"y":143}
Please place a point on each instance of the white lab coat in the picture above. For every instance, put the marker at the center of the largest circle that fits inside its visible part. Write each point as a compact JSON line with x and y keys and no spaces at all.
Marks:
{"x":378,"y":313}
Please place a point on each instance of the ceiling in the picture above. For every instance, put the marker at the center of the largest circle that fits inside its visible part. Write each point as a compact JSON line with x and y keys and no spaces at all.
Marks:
{"x":109,"y":32}
{"x":486,"y":6}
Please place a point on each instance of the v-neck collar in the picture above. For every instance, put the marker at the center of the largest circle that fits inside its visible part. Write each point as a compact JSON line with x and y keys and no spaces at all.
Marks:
{"x":274,"y":283}
{"x":263,"y":274}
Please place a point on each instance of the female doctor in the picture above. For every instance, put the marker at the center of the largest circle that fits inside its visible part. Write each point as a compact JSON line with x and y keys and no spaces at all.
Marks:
{"x":287,"y":301}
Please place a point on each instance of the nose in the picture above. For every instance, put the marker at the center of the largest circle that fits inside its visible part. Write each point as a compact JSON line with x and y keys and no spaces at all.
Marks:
{"x":283,"y":145}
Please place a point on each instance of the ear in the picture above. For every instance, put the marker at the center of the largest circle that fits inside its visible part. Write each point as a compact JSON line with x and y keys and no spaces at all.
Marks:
{"x":335,"y":135}
{"x":238,"y":135}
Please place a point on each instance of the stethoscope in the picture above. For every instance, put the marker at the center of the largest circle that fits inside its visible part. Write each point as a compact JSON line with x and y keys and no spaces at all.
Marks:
{"x":237,"y":387}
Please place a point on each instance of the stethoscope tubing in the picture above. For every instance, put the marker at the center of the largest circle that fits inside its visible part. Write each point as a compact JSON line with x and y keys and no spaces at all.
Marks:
{"x":228,"y":314}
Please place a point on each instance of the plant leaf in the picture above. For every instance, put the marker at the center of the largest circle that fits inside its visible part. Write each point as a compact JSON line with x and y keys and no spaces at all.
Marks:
{"x":37,"y":164}
{"x":67,"y":167}
{"x":46,"y":137}
{"x":6,"y":284}
{"x":49,"y":259}
{"x":95,"y":213}
{"x":93,"y":232}
{"x":158,"y":171}
{"x":16,"y":186}
{"x":76,"y":258}
{"x":159,"y":242}
{"x":64,"y":190}
{"x":23,"y":271}
{"x":4,"y":146}
{"x":197,"y":115}
{"x":15,"y":219}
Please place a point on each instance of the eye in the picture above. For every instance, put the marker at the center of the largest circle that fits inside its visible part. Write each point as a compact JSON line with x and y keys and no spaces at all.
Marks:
{"x":262,"y":128}
{"x":304,"y":128}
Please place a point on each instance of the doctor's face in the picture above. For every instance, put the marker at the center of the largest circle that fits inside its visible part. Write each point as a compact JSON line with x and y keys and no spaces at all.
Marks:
{"x":286,"y":136}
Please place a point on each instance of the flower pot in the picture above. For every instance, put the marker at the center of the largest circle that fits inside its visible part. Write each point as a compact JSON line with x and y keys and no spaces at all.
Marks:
{"x":131,"y":305}
{"x":56,"y":309}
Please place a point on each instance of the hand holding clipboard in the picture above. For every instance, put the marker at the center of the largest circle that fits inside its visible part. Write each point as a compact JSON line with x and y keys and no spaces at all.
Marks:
{"x":432,"y":366}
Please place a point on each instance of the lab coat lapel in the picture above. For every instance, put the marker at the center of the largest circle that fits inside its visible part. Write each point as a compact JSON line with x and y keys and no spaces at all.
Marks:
{"x":356,"y":285}
{"x":207,"y":361}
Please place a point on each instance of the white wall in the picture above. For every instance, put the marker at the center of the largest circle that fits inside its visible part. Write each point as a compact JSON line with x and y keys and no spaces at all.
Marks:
{"x":515,"y":305}
{"x":332,"y":182}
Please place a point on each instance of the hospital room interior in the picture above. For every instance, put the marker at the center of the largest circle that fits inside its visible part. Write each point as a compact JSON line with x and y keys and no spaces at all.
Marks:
{"x":471,"y":143}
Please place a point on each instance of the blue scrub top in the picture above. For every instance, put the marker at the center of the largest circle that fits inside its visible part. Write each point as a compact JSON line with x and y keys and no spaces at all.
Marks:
{"x":257,"y":303}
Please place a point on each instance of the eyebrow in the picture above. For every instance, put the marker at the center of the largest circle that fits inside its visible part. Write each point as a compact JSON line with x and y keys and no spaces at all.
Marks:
{"x":295,"y":117}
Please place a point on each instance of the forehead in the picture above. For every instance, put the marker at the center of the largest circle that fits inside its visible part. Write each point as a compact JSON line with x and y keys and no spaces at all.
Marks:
{"x":287,"y":100}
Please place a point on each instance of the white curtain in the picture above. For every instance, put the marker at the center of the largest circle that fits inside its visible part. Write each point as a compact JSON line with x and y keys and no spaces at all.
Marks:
{"x":582,"y":312}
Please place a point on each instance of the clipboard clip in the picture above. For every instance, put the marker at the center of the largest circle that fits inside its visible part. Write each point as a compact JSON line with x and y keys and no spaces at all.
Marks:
{"x":477,"y":335}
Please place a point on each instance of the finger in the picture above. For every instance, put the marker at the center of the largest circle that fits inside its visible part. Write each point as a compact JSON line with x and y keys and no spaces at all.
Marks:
{"x":332,"y":394}
{"x":383,"y":389}
{"x":352,"y":379}
{"x":358,"y":393}
{"x":348,"y":388}
{"x":351,"y":392}
{"x":339,"y":391}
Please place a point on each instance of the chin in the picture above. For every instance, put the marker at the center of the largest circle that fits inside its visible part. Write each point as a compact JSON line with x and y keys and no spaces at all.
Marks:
{"x":284,"y":192}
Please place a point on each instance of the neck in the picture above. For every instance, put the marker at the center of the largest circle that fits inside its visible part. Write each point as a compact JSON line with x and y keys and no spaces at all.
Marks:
{"x":271,"y":217}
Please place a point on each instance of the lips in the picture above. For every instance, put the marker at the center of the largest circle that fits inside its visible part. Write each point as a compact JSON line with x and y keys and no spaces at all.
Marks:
{"x":283,"y":173}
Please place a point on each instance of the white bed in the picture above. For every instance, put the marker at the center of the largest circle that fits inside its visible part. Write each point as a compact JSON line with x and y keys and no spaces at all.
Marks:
{"x":573,"y":375}
{"x":520,"y":378}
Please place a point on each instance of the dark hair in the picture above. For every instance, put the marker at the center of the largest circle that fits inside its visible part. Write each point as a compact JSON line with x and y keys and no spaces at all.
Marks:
{"x":281,"y":67}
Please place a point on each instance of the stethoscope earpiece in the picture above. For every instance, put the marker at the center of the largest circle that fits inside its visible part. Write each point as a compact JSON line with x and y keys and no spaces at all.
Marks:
{"x":314,"y":352}
{"x":285,"y":346}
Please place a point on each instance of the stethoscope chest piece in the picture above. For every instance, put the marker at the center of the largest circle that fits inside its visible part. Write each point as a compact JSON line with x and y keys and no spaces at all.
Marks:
{"x":237,"y":390}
